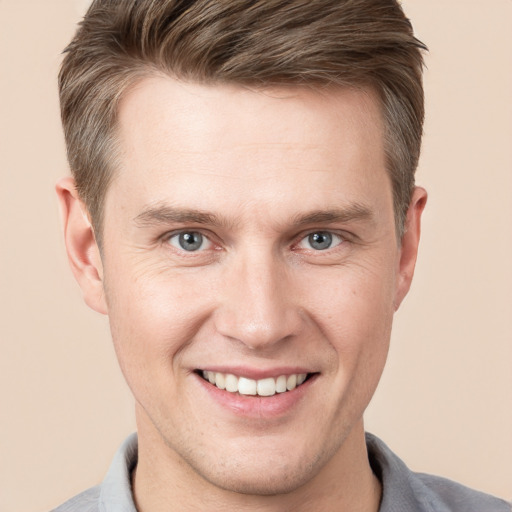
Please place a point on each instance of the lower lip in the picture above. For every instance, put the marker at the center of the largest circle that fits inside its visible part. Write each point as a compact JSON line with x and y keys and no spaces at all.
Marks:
{"x":254,"y":406}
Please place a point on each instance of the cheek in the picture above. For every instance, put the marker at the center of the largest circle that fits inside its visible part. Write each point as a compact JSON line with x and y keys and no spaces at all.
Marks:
{"x":153,"y":316}
{"x":355,"y":317}
{"x":356,"y":299}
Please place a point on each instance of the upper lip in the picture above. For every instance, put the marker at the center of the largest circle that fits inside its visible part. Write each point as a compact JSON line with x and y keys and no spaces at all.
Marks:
{"x":257,"y":373}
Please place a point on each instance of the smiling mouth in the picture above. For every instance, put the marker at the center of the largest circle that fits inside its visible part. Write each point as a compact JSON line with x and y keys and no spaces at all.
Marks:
{"x":250,"y":387}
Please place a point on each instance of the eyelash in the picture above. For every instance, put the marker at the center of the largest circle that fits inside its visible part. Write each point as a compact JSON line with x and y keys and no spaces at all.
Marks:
{"x":337,"y":239}
{"x":170,"y":236}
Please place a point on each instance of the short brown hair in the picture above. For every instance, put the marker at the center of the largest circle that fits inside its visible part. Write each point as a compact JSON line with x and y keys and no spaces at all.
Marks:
{"x":349,"y":43}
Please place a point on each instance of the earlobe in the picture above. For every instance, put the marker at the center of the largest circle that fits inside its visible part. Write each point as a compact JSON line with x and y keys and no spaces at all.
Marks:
{"x":83,"y":253}
{"x":409,"y":245}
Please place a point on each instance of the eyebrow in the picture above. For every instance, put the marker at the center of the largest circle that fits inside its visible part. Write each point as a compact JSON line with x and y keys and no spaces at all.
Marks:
{"x":165,"y":214}
{"x":351,"y":213}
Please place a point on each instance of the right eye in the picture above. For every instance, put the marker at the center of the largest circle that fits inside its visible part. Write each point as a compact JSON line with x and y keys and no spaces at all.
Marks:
{"x":320,"y":241}
{"x":190,"y":241}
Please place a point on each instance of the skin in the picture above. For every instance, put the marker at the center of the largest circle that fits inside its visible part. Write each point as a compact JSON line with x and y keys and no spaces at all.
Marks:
{"x":266,"y":169}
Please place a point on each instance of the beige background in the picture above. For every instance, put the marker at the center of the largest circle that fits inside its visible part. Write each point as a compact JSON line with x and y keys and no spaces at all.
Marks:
{"x":445,"y":402}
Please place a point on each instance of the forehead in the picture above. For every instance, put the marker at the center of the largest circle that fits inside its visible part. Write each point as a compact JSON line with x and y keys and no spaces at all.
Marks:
{"x":232,"y":145}
{"x":298,"y":115}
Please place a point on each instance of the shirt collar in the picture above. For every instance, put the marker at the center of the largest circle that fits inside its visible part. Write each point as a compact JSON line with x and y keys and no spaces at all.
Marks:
{"x":401,"y":490}
{"x":116,"y":489}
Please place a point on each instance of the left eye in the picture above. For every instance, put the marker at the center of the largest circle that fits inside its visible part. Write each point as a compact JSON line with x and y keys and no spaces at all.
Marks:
{"x":190,"y":241}
{"x":320,"y":241}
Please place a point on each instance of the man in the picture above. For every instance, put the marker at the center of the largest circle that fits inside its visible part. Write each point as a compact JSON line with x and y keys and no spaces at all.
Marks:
{"x":243,"y":209}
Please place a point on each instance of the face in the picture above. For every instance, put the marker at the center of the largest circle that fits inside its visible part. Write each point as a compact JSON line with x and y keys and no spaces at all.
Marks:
{"x":249,"y":244}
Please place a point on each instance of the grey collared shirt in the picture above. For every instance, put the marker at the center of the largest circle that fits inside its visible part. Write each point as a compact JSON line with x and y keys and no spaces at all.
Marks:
{"x":402,"y":490}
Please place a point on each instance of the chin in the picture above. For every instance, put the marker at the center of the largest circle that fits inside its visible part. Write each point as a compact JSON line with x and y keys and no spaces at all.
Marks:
{"x":260,"y":480}
{"x":260,"y":472}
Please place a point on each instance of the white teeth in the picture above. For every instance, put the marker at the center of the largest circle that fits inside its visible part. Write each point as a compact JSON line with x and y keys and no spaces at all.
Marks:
{"x":266,"y":387}
{"x":262,"y":387}
{"x":301,"y":378}
{"x":220,"y":380}
{"x":291,"y":382}
{"x":246,"y":386}
{"x":281,"y":384}
{"x":231,"y":383}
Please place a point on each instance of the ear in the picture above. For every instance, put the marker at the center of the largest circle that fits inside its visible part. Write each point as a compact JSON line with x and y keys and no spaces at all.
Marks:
{"x":409,"y":245}
{"x":83,"y":253}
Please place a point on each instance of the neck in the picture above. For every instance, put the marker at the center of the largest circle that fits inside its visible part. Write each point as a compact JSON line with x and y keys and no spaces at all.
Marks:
{"x":162,"y":479}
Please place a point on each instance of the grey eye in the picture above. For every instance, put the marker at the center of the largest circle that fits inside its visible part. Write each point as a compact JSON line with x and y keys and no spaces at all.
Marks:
{"x":320,"y":241}
{"x":189,"y":241}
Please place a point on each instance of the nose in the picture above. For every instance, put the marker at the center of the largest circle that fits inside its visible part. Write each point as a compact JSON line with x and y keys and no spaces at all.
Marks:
{"x":257,"y":305}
